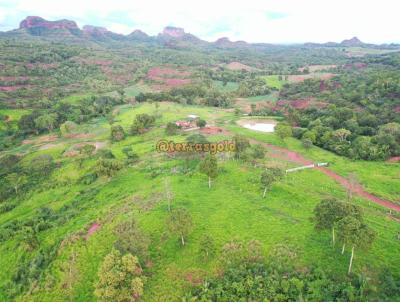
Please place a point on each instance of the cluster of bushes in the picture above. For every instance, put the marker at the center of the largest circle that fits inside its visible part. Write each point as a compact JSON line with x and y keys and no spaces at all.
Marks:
{"x":120,"y":276}
{"x":16,"y":178}
{"x":48,"y":119}
{"x":253,"y":86}
{"x":249,"y":276}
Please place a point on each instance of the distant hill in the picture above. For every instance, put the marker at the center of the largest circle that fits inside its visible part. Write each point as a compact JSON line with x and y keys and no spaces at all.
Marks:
{"x":172,"y":37}
{"x":352,"y":42}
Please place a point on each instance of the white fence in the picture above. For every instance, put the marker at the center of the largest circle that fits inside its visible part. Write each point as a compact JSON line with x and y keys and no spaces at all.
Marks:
{"x":307,"y":167}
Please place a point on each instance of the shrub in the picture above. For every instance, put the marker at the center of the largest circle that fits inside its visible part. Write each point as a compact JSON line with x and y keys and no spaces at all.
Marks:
{"x":117,"y":133}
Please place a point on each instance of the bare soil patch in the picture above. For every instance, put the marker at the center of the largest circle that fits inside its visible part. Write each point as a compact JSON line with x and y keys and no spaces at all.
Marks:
{"x":42,"y":139}
{"x":213,"y":130}
{"x":302,"y":77}
{"x":239,"y":66}
{"x":93,"y":228}
{"x":168,"y":78}
{"x":315,"y":68}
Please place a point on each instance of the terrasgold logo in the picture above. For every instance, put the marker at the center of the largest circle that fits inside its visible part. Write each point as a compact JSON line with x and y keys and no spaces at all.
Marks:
{"x":213,"y":148}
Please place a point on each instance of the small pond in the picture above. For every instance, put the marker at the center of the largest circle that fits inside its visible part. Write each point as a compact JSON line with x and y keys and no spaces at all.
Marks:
{"x":263,"y":126}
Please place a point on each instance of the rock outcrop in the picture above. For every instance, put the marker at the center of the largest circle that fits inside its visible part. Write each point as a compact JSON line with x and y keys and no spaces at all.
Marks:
{"x":352,"y":42}
{"x":175,"y":32}
{"x":38,"y":22}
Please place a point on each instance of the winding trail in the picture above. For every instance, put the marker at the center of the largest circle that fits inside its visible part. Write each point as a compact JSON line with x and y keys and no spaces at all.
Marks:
{"x":279,"y":152}
{"x":285,"y":154}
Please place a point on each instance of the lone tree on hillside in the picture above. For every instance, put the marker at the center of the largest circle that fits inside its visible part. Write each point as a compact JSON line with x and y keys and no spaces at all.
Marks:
{"x":120,"y":278}
{"x":201,"y":123}
{"x":283,"y":130}
{"x":258,"y":151}
{"x":141,"y":123}
{"x":179,"y":222}
{"x":207,"y":246}
{"x":168,"y":192}
{"x":108,"y":167}
{"x":16,"y":181}
{"x":241,"y":144}
{"x":85,"y":152}
{"x":117,"y":133}
{"x":353,"y":232}
{"x":209,"y":166}
{"x":269,"y":176}
{"x":329,"y":211}
{"x":131,"y":239}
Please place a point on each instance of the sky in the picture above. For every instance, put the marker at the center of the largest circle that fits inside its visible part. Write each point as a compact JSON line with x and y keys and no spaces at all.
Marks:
{"x":269,"y":21}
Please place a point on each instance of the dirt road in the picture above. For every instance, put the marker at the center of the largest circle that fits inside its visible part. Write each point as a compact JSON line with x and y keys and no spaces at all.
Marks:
{"x":285,"y":154}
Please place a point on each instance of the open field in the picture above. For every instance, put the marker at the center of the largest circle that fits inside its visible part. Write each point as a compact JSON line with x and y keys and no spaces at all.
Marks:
{"x":273,"y":81}
{"x":283,"y":216}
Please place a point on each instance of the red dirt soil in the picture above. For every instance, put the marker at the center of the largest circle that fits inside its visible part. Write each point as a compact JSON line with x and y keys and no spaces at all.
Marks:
{"x":213,"y":130}
{"x":299,"y":104}
{"x":168,"y":77}
{"x":94,"y":227}
{"x":279,"y":152}
{"x":394,"y":159}
{"x":163,"y":72}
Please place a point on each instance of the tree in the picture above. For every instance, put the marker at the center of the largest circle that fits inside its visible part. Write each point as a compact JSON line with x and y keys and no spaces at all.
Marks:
{"x":16,"y":181}
{"x":352,"y":179}
{"x":201,"y":123}
{"x":168,"y":193}
{"x":355,"y":233}
{"x":269,"y":176}
{"x":131,"y":156}
{"x":86,"y":151}
{"x":307,"y":143}
{"x":117,"y":133}
{"x":179,"y":222}
{"x":310,"y":135}
{"x":131,"y":239}
{"x":329,"y":211}
{"x":108,"y":167}
{"x":46,"y":121}
{"x":68,"y":127}
{"x":141,"y":123}
{"x":209,"y":166}
{"x":283,"y":130}
{"x":241,"y":144}
{"x":120,"y":278}
{"x":28,"y":238}
{"x":171,"y":129}
{"x":258,"y":151}
{"x":9,"y":163}
{"x":207,"y":246}
{"x":41,"y":165}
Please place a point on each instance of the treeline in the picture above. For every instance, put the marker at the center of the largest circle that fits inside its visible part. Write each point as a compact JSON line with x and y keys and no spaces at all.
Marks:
{"x":249,"y":276}
{"x":361,"y":118}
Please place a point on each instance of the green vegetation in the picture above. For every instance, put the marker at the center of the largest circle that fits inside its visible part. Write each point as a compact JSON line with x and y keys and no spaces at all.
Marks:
{"x":90,"y":210}
{"x":275,"y":81}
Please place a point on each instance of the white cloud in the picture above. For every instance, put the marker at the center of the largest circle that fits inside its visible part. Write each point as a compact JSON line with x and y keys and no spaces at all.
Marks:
{"x":251,"y":20}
